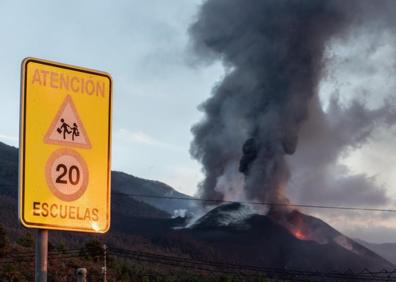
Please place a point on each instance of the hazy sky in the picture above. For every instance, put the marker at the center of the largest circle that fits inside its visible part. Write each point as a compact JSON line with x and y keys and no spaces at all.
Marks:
{"x":158,"y":85}
{"x":143,"y":45}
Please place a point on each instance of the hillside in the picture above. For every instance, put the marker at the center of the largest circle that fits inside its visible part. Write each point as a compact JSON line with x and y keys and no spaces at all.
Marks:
{"x":135,"y":186}
{"x":386,"y":250}
{"x":230,"y":234}
{"x":123,"y":206}
{"x":8,"y":170}
{"x":122,"y":183}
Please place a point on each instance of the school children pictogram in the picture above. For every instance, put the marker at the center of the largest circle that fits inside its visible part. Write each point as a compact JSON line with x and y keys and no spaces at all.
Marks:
{"x":67,"y":128}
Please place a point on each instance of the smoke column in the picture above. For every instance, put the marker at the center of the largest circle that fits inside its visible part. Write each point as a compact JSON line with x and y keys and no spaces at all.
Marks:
{"x":273,"y":51}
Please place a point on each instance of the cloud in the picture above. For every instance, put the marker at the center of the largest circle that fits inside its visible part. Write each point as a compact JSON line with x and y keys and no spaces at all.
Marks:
{"x":184,"y":177}
{"x":318,"y":174}
{"x":9,"y":139}
{"x":369,"y":226}
{"x":354,"y":116}
{"x":140,"y":137}
{"x":375,"y":233}
{"x":345,"y":150}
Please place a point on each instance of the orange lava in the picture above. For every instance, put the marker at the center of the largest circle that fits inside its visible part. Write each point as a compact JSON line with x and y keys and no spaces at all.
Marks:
{"x":300,"y":235}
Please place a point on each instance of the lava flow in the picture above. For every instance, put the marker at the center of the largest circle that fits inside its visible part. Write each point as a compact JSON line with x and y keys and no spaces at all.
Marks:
{"x":296,"y":225}
{"x":294,"y":221}
{"x":300,"y":235}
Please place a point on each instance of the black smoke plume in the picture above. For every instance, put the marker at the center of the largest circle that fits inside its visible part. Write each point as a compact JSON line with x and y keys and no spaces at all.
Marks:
{"x":273,"y":51}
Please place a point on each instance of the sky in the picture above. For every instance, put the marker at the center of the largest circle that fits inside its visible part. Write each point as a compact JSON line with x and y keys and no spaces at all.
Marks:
{"x":144,"y":46}
{"x":159,"y":84}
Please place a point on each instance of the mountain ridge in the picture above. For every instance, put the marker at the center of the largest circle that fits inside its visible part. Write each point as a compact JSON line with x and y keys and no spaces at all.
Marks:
{"x":230,"y":233}
{"x":121,"y":183}
{"x":386,"y":250}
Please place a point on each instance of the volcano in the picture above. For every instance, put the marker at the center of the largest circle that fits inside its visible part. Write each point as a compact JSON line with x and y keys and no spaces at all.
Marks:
{"x":288,"y":240}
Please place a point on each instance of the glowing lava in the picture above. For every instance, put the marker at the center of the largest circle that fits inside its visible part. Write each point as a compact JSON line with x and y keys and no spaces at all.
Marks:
{"x":300,"y":235}
{"x":298,"y":224}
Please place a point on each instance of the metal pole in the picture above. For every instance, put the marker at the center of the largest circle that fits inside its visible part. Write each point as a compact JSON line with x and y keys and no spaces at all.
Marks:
{"x":104,"y":263}
{"x":41,"y":255}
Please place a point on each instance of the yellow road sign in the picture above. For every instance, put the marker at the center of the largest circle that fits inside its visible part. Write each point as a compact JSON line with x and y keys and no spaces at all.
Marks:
{"x":65,"y":139}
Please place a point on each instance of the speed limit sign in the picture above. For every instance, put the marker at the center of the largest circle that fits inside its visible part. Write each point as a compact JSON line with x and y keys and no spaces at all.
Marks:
{"x":67,"y":174}
{"x":65,"y":147}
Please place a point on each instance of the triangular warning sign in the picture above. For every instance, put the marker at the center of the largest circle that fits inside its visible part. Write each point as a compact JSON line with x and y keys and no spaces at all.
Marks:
{"x":67,"y":128}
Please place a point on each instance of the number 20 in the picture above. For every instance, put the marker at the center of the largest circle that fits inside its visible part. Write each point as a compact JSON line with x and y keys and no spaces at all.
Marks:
{"x":73,"y":176}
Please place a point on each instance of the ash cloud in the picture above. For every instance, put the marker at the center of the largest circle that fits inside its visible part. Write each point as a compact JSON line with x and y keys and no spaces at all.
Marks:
{"x":274,"y":55}
{"x":325,"y":138}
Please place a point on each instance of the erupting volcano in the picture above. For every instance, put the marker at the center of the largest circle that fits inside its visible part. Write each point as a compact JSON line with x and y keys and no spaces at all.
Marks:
{"x":295,"y":241}
{"x":274,"y":54}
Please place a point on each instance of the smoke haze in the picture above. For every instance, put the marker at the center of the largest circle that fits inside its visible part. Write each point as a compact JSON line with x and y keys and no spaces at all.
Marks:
{"x":267,"y":106}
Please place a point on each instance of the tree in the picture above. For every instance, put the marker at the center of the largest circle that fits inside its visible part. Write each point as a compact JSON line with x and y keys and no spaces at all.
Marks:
{"x":3,"y":241}
{"x":26,"y":241}
{"x":94,"y":249}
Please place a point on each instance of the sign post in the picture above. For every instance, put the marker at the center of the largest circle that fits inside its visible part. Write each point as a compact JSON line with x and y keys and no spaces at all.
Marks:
{"x":41,"y":257}
{"x":64,"y":161}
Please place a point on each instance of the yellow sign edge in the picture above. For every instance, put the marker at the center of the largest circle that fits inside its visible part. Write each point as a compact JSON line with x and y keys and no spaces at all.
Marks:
{"x":21,"y":171}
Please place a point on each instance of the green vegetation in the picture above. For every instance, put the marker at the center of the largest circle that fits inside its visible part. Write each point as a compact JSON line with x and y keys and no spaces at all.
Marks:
{"x":26,"y":241}
{"x":4,"y":242}
{"x":136,"y":225}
